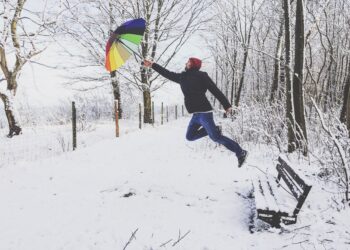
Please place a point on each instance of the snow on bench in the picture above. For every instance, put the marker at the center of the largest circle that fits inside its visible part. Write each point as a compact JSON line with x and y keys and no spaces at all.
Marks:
{"x":275,"y":197}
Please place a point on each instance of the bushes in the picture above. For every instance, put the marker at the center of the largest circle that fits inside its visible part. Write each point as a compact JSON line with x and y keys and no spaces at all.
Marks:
{"x":328,"y":144}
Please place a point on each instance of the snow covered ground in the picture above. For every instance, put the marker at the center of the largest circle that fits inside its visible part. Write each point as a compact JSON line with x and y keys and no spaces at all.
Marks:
{"x":150,"y":183}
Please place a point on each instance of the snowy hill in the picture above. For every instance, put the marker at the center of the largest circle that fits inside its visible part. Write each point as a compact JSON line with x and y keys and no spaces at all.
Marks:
{"x":167,"y":192}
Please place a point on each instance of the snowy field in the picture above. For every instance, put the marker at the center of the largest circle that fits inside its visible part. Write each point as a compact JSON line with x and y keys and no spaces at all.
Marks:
{"x":151,"y":184}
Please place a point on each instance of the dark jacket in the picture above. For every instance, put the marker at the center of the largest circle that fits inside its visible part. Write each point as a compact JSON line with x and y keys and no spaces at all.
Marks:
{"x":194,"y":84}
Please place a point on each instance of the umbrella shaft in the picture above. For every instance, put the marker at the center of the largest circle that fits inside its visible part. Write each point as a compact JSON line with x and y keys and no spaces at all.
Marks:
{"x":135,"y":53}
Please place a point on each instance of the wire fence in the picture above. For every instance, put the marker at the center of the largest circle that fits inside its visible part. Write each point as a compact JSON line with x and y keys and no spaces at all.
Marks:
{"x":48,"y":133}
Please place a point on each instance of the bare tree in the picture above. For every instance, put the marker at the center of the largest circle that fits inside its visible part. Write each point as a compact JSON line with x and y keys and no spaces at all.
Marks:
{"x":277,"y":64}
{"x":344,"y":117}
{"x":343,"y":172}
{"x":18,"y":40}
{"x":114,"y":80}
{"x":348,"y":112}
{"x":345,"y":111}
{"x":169,"y":24}
{"x":244,"y":33}
{"x":89,"y":24}
{"x":232,"y":39}
{"x":327,"y":41}
{"x":224,"y":49}
{"x":298,"y":79}
{"x":289,"y":92}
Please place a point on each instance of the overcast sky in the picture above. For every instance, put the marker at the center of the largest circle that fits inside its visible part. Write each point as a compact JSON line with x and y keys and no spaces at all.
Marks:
{"x":41,"y":85}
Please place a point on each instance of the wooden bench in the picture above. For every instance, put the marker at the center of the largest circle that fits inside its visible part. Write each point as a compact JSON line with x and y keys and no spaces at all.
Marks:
{"x":275,"y":197}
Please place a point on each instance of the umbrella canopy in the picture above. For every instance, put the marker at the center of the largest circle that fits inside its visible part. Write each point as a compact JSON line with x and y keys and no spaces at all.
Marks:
{"x":123,"y":42}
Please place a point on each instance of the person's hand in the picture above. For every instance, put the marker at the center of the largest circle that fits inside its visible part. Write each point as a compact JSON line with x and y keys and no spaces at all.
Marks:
{"x":229,"y":111}
{"x":147,"y":63}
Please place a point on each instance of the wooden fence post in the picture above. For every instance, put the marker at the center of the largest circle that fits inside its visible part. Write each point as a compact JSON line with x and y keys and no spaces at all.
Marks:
{"x":167,"y":114}
{"x":116,"y":108}
{"x":175,"y":112}
{"x":74,"y":125}
{"x":153,"y":113}
{"x":140,"y":116}
{"x":162,"y":111}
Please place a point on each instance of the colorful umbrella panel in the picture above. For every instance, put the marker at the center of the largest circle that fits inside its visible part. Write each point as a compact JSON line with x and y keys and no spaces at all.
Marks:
{"x":123,"y":42}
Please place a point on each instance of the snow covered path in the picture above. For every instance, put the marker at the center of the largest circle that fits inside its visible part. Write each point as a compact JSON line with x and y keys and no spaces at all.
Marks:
{"x":152,"y":181}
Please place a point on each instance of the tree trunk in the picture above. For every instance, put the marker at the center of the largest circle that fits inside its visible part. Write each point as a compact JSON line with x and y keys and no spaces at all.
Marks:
{"x":11,"y":113}
{"x":216,"y":81}
{"x":233,"y":80}
{"x":223,"y":78}
{"x":240,"y":86}
{"x":114,"y":80}
{"x":8,"y":97}
{"x":147,"y":100}
{"x":277,"y":66}
{"x":289,"y":93}
{"x":258,"y":80}
{"x":282,"y":78}
{"x":344,"y":115}
{"x":348,"y":111}
{"x":147,"y":103}
{"x":146,"y":85}
{"x":328,"y":84}
{"x":116,"y":92}
{"x":345,"y":111}
{"x":298,"y":93}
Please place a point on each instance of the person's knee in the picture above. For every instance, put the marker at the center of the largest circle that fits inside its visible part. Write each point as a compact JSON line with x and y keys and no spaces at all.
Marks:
{"x":189,"y":137}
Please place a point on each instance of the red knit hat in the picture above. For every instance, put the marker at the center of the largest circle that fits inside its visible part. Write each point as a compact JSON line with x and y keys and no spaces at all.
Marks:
{"x":195,"y":63}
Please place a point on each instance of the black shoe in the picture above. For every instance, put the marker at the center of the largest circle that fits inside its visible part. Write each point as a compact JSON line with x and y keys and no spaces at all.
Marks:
{"x":242,"y":158}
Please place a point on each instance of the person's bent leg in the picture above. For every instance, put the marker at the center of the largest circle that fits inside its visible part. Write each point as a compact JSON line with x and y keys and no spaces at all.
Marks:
{"x":208,"y":123}
{"x":194,"y":130}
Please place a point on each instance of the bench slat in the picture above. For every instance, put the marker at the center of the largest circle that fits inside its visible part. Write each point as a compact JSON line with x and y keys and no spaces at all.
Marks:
{"x":289,"y":182}
{"x":292,"y":173}
{"x":260,"y":201}
{"x":284,"y":200}
{"x":263,"y":197}
{"x":270,"y":199}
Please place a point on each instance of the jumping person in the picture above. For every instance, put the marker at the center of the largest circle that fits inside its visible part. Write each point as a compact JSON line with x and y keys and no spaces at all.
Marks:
{"x":194,"y":84}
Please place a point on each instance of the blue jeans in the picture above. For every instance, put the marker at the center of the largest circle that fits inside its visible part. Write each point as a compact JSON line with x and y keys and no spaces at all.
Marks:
{"x":202,"y":124}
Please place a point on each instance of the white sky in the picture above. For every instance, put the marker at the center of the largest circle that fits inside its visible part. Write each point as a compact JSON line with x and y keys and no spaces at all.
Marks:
{"x":39,"y":85}
{"x":44,"y":86}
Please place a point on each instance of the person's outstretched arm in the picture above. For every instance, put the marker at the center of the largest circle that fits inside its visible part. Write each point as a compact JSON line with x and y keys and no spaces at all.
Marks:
{"x":172,"y":76}
{"x":218,"y":94}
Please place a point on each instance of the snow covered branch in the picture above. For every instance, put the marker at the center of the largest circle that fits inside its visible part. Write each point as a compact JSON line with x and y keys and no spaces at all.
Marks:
{"x":341,"y":151}
{"x":132,"y":237}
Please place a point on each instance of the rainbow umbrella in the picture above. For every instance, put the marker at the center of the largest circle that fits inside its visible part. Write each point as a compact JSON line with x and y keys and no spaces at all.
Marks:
{"x":123,"y":42}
